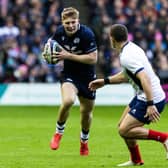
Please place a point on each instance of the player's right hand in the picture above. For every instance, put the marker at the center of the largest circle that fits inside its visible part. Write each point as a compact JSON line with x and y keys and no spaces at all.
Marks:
{"x":95,"y":84}
{"x":45,"y":51}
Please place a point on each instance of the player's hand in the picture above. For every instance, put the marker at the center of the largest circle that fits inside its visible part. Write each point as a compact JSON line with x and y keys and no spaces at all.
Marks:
{"x":45,"y":53}
{"x":63,"y":54}
{"x":98,"y":83}
{"x":152,"y":113}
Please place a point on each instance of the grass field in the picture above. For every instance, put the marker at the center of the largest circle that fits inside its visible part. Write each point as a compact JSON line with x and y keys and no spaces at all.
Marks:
{"x":25,"y":133}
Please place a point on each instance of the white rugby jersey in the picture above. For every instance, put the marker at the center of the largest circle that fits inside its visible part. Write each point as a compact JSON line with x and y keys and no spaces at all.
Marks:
{"x":133,"y":60}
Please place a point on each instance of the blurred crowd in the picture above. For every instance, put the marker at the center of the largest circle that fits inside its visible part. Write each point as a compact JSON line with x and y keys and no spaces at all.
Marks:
{"x":24,"y":28}
{"x":147,"y":22}
{"x":26,"y":25}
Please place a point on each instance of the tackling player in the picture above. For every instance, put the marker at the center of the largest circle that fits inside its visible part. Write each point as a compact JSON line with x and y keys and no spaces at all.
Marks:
{"x":149,"y":101}
{"x":80,"y":56}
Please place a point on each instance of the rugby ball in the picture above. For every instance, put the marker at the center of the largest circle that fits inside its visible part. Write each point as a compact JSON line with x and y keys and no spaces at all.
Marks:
{"x":52,"y":46}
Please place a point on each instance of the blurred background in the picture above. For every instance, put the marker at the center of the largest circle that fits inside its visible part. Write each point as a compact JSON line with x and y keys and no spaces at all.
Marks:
{"x":26,"y":25}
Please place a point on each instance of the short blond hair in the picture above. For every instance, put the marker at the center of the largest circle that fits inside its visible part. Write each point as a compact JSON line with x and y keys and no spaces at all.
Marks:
{"x":70,"y":12}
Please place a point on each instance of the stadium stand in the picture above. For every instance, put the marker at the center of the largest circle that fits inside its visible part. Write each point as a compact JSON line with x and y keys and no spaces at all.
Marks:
{"x":26,"y":25}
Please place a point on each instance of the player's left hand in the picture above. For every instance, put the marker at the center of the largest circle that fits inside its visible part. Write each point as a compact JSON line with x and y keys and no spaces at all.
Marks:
{"x":152,"y":113}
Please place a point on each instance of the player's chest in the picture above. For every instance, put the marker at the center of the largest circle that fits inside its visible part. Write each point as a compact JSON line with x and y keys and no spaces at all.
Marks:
{"x":73,"y":45}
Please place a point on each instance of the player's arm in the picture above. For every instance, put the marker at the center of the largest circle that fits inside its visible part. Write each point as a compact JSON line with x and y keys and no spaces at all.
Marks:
{"x":152,"y":111}
{"x":146,"y":84}
{"x":90,"y":58}
{"x":89,"y":46}
{"x":115,"y":79}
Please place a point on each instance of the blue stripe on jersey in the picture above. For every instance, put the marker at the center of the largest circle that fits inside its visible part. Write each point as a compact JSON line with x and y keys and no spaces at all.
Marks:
{"x":139,"y":70}
{"x":134,"y":78}
{"x":91,"y":50}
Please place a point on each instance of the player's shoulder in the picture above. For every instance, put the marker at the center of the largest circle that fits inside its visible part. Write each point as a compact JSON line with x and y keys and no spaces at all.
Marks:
{"x":132,"y":49}
{"x":127,"y":53}
{"x":59,"y":30}
{"x":132,"y":53}
{"x":58,"y":33}
{"x":135,"y":47}
{"x":85,"y":30}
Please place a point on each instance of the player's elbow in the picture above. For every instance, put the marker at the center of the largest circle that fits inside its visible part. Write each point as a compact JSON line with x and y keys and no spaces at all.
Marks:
{"x":93,"y":61}
{"x":93,"y":57}
{"x":121,"y":78}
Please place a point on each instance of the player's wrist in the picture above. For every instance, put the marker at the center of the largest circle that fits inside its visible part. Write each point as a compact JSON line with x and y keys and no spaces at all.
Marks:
{"x":106,"y":81}
{"x":150,"y":103}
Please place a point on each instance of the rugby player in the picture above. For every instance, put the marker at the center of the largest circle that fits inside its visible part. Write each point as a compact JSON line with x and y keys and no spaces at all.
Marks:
{"x":79,"y":54}
{"x":149,"y":100}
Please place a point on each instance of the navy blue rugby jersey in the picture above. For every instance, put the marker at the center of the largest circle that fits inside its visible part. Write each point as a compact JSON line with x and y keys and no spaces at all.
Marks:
{"x":82,"y":42}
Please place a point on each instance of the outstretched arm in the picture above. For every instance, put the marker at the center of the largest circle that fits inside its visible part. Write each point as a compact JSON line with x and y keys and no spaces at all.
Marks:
{"x":115,"y":79}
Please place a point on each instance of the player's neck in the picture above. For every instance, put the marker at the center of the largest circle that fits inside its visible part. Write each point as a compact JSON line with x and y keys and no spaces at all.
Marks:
{"x":123,"y":44}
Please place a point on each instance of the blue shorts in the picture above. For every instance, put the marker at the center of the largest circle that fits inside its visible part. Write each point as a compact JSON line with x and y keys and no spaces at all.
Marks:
{"x":139,"y":107}
{"x":81,"y":85}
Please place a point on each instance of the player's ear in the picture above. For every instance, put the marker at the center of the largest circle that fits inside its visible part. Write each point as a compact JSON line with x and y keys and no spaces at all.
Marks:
{"x":114,"y":41}
{"x":111,"y":40}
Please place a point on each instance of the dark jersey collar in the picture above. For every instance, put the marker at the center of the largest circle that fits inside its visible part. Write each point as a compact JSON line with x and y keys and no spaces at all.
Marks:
{"x":124,"y":45}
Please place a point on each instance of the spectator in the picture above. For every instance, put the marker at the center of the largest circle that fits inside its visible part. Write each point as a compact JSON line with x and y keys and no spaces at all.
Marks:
{"x":28,"y":27}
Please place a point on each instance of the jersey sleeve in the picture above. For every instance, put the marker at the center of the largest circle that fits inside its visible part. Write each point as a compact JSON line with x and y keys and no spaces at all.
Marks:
{"x":89,"y":41}
{"x":131,"y":64}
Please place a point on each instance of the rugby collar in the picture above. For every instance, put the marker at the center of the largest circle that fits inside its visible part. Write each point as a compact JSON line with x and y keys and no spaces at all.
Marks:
{"x":124,"y":45}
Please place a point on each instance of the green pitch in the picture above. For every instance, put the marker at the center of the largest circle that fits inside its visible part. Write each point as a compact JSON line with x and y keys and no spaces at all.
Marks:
{"x":25,"y":133}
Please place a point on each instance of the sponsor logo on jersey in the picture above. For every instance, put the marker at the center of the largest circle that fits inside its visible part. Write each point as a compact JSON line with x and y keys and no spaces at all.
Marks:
{"x":76,"y":40}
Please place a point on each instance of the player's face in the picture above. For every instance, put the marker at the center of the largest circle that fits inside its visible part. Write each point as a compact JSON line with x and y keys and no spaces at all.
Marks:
{"x":70,"y":25}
